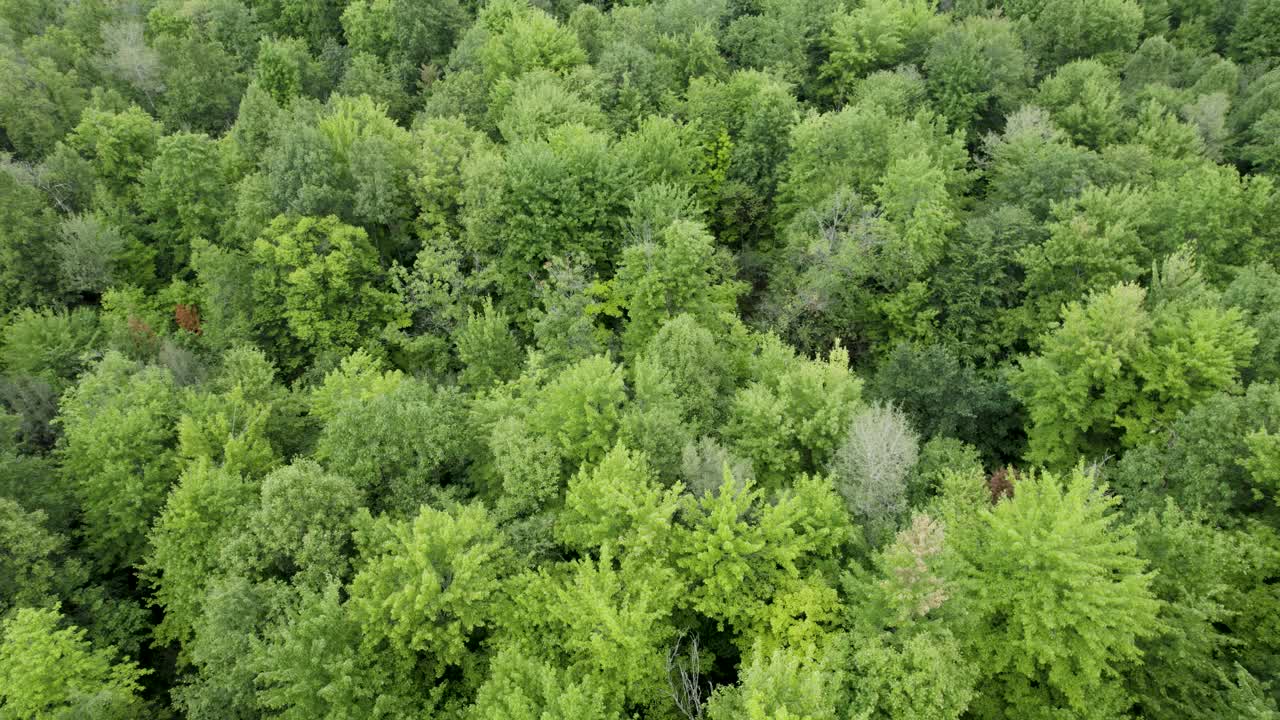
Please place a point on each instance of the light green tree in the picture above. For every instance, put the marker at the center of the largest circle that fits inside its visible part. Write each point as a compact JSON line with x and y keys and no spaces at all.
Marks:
{"x":119,"y":451}
{"x":47,"y":671}
{"x":609,"y":620}
{"x":428,"y":588}
{"x":793,"y":416}
{"x":523,"y":688}
{"x":203,"y":514}
{"x":308,"y":271}
{"x":618,"y":503}
{"x":1059,"y":599}
{"x":878,"y":34}
{"x":1114,"y":369}
{"x":782,"y":685}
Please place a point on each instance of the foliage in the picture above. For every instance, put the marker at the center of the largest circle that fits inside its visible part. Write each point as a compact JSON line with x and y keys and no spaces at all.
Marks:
{"x":879,"y":34}
{"x":1113,"y":371}
{"x":440,"y":566}
{"x":417,"y":430}
{"x":793,"y":416}
{"x":679,"y":272}
{"x":119,"y":449}
{"x":305,"y":270}
{"x":871,"y":468}
{"x":1057,"y":637}
{"x":53,"y":672}
{"x":658,"y":359}
{"x":1203,"y":459}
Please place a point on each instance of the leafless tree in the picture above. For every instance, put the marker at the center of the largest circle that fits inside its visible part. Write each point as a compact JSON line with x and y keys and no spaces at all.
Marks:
{"x":871,"y":468}
{"x":131,"y":60}
{"x":702,"y":465}
{"x":684,"y":678}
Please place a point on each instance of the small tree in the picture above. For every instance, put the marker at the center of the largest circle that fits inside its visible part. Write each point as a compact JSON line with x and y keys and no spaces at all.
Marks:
{"x":872,"y":466}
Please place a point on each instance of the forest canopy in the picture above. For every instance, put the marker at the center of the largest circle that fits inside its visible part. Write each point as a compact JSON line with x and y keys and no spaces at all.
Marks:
{"x":676,"y":360}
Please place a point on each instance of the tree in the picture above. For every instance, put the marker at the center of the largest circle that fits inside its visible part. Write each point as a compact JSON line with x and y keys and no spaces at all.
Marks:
{"x":39,"y":102}
{"x":48,"y":344}
{"x":1113,"y":370}
{"x":203,"y":80}
{"x":580,"y":409}
{"x":879,"y":34}
{"x":699,"y":368}
{"x":400,"y":445}
{"x":118,"y":146}
{"x":301,"y":529}
{"x":794,"y":414}
{"x":681,"y":272}
{"x":1257,"y":32}
{"x":1219,"y":213}
{"x":367,"y":74}
{"x":1094,"y":242}
{"x":49,"y":672}
{"x":186,"y":193}
{"x":521,"y":38}
{"x":911,"y":676}
{"x":1201,"y":461}
{"x":488,"y":351}
{"x":508,"y":38}
{"x":1256,"y":291}
{"x":944,"y":396}
{"x":347,"y":159}
{"x":1083,"y":98}
{"x":30,"y":572}
{"x":782,"y":685}
{"x":307,"y":271}
{"x":523,"y":688}
{"x":119,"y":451}
{"x":443,"y":147}
{"x":131,"y":61}
{"x":429,"y":588}
{"x":609,"y":622}
{"x":871,"y":467}
{"x":543,"y":198}
{"x":781,"y":38}
{"x":1059,"y":31}
{"x":762,"y":565}
{"x":25,"y":258}
{"x":1032,"y":163}
{"x":203,"y":514}
{"x":742,"y":126}
{"x":312,"y":665}
{"x":904,"y":658}
{"x":1187,"y":668}
{"x":90,"y":254}
{"x":285,"y":69}
{"x":617,"y":503}
{"x":565,"y":330}
{"x":648,"y":56}
{"x":978,"y":73}
{"x":538,"y":101}
{"x":241,"y":418}
{"x":1060,"y":599}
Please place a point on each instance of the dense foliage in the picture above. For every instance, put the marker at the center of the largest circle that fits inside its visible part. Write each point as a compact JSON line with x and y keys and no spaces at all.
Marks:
{"x":701,"y":359}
